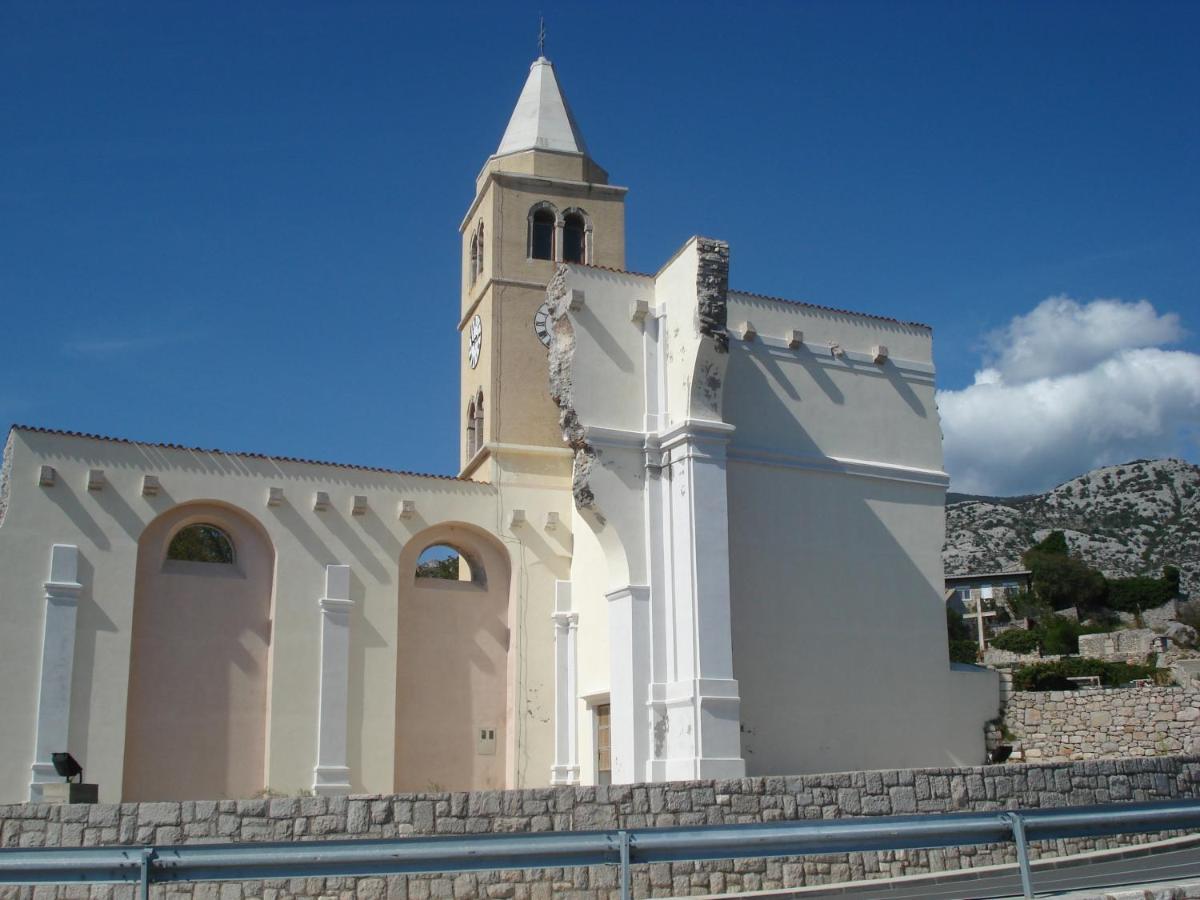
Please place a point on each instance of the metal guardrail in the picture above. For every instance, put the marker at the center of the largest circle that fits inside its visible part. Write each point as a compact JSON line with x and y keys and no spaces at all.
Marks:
{"x":622,"y":847}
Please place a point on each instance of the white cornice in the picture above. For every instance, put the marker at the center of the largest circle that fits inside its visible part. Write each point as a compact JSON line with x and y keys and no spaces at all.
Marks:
{"x":63,"y":591}
{"x":529,"y":450}
{"x":695,"y":429}
{"x":336,"y":604}
{"x":600,"y":436}
{"x":838,"y":466}
{"x":849,"y":360}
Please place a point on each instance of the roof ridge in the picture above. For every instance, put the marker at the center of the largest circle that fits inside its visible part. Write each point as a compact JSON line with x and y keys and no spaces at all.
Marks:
{"x":37,"y":429}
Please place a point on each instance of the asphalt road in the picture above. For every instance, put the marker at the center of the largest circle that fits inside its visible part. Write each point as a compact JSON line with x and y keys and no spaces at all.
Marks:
{"x":1166,"y":865}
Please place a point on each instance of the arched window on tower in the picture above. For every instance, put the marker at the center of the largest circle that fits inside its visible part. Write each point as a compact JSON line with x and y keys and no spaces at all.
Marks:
{"x":472,"y":435}
{"x":474,"y":257}
{"x":542,"y":222}
{"x":574,"y":238}
{"x":479,"y":432}
{"x":479,"y":254}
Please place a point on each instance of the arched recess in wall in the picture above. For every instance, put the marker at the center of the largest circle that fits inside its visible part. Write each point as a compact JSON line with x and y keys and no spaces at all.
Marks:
{"x":195,"y":723}
{"x":453,"y":679}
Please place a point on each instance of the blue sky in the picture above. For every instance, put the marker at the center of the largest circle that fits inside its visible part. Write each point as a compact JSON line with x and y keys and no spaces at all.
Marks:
{"x":234,"y":225}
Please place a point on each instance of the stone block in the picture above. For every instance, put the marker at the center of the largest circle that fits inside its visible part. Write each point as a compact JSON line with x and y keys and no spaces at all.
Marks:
{"x":158,"y":814}
{"x":904,"y":800}
{"x":358,"y":817}
{"x":422,"y":816}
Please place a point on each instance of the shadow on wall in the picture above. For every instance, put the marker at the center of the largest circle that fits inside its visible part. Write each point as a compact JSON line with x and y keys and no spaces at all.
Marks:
{"x":196,"y":717}
{"x":839,"y":639}
{"x":452,"y":671}
{"x":364,"y":637}
{"x":90,"y":621}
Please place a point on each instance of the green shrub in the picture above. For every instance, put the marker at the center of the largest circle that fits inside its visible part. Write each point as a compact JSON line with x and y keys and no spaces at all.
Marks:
{"x":963,"y":648}
{"x":1058,"y":635}
{"x":1133,"y":595}
{"x":1061,"y":580}
{"x":1016,"y":640}
{"x":1055,"y":635}
{"x":1052,"y":676}
{"x":956,"y":627}
{"x":964,"y":651}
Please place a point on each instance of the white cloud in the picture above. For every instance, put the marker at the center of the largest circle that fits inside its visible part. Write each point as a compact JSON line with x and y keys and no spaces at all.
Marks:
{"x":1061,"y":336}
{"x":112,"y":348}
{"x":1069,"y":387}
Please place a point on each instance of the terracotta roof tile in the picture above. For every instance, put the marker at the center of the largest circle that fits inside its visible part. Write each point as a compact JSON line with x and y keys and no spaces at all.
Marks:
{"x":290,"y":459}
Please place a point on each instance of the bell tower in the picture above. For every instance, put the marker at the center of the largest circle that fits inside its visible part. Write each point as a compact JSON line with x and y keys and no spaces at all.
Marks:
{"x":540,"y":201}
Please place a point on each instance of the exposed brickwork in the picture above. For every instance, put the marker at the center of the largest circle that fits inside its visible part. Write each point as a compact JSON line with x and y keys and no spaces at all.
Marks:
{"x":584,"y":808}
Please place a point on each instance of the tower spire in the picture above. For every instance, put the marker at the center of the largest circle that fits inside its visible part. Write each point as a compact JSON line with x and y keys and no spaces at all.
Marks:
{"x":542,"y":120}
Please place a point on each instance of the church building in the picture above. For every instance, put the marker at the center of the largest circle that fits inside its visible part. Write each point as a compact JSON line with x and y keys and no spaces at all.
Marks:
{"x":698,"y":532}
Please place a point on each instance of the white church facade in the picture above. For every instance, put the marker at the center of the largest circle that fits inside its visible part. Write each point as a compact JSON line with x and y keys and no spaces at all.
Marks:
{"x":700,"y":534}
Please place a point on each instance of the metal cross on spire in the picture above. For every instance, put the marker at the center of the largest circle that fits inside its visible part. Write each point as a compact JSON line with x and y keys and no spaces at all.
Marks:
{"x":541,"y":36}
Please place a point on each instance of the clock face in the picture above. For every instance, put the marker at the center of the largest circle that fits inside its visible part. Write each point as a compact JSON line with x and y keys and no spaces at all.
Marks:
{"x":476,"y":337}
{"x":541,"y":324}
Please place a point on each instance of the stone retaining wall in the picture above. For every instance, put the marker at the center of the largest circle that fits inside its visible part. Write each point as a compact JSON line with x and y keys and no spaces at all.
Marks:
{"x":1154,"y":618}
{"x":1090,"y":724}
{"x":1130,"y":645}
{"x":681,"y":803}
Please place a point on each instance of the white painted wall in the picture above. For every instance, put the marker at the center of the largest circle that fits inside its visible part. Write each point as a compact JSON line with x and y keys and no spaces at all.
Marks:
{"x":833,"y":491}
{"x":106,"y":525}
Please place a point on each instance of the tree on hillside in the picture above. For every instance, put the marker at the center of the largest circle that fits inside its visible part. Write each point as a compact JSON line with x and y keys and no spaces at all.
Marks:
{"x":1055,"y":544}
{"x":1061,"y":580}
{"x":1133,"y":595}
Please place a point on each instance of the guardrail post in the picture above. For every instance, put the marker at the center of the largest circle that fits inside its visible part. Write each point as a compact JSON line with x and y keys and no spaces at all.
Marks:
{"x":626,"y":893}
{"x":1018,"y":830}
{"x":147,"y":858}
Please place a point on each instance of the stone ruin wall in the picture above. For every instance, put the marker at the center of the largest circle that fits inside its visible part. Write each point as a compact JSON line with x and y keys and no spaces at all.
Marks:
{"x":588,"y":808}
{"x":1091,"y":724}
{"x":1129,"y":645}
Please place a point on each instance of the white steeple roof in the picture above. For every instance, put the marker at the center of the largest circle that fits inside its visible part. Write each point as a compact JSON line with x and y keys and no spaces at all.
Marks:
{"x":542,"y":120}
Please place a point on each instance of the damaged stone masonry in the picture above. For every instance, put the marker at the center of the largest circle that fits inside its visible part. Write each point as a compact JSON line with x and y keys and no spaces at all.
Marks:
{"x":712,"y":291}
{"x":562,"y":350}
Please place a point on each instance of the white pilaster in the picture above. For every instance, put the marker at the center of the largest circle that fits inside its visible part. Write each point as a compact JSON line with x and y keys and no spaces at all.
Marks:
{"x":698,"y":729}
{"x":629,"y":685}
{"x":58,"y":659}
{"x":566,"y":704}
{"x":332,"y":775}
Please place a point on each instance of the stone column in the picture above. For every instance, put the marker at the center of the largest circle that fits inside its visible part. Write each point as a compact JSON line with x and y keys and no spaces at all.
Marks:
{"x":700,"y":736}
{"x":629,"y":681}
{"x":566,"y":702}
{"x":332,"y":775}
{"x":58,"y":659}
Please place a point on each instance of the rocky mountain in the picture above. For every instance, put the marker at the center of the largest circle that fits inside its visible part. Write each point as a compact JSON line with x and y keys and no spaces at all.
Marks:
{"x":1130,"y":519}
